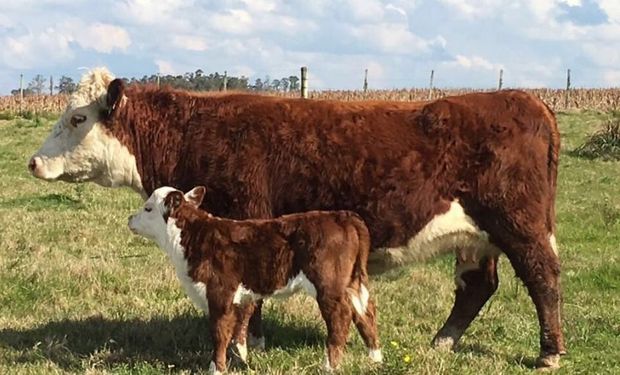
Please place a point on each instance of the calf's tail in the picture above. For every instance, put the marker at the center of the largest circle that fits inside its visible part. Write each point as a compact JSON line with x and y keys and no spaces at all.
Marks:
{"x":358,"y":287}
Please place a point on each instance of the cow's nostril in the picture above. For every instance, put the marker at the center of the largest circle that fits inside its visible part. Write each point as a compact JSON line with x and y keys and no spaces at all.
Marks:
{"x":32,"y":165}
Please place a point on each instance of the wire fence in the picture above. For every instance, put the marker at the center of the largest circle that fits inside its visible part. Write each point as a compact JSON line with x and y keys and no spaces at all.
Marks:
{"x":558,"y":99}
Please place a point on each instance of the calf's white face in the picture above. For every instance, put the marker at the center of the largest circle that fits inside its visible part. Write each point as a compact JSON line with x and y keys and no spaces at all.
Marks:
{"x":149,"y":221}
{"x":80,"y":148}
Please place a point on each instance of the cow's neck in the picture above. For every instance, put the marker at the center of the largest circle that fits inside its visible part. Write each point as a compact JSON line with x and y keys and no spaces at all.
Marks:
{"x":155,"y":142}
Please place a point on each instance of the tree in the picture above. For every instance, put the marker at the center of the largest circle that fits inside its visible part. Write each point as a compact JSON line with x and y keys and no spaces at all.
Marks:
{"x":37,"y":85}
{"x":66,"y":85}
{"x":294,"y":83}
{"x":284,"y":84}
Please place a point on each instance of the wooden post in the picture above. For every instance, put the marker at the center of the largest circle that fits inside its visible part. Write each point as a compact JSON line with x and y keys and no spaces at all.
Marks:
{"x":21,"y":94}
{"x":158,"y":80}
{"x":501,"y":79}
{"x":567,"y":94}
{"x":304,"y":82}
{"x":225,"y":82}
{"x":51,"y":86}
{"x":430,"y":87}
{"x":365,"y":80}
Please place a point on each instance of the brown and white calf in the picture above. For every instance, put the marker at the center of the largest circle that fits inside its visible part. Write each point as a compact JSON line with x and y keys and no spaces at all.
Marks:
{"x":222,"y":263}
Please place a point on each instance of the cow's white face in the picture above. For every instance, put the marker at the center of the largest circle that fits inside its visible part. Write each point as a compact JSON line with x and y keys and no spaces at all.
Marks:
{"x":80,"y":148}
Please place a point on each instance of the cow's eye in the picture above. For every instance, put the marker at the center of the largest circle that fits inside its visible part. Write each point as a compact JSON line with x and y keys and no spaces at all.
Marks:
{"x":148,"y":209}
{"x":77,"y":119}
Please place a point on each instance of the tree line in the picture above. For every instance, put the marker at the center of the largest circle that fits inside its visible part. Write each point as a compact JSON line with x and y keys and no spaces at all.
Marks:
{"x":195,"y":81}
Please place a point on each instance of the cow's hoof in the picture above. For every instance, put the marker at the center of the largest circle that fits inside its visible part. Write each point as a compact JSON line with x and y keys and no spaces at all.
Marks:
{"x":548,"y":362}
{"x":443,"y":343}
{"x":256,"y":343}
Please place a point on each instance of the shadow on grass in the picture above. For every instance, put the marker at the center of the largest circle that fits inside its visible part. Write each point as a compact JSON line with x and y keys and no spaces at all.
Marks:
{"x":182,"y":341}
{"x":481,"y":350}
{"x":42,"y":202}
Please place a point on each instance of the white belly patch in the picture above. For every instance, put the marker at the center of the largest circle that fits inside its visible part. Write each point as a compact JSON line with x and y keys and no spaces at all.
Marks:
{"x":294,"y":285}
{"x":451,"y":231}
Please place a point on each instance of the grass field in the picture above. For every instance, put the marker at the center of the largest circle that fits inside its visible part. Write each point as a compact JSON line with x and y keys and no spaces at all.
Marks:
{"x":80,"y":294}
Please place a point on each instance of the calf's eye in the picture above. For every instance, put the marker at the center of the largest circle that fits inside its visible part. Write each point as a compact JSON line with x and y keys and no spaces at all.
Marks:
{"x":148,"y":209}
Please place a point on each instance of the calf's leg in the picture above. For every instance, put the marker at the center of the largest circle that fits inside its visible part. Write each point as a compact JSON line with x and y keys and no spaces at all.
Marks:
{"x":366,"y":324}
{"x":471,"y":294}
{"x":222,"y":322}
{"x":337,"y":315}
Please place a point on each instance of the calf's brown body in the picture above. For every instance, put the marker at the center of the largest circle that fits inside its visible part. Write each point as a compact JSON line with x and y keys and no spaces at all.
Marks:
{"x":240,"y":262}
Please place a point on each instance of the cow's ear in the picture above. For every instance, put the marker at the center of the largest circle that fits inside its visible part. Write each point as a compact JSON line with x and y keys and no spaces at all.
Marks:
{"x":114,"y":97}
{"x":196,"y":195}
{"x":172,"y":201}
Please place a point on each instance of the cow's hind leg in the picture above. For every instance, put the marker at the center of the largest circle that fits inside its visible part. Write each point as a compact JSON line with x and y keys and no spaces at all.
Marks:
{"x":474,"y":288}
{"x":536,"y":263}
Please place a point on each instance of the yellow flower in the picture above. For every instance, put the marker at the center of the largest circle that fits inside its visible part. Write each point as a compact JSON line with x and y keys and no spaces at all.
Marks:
{"x":394,"y":344}
{"x":407,"y":358}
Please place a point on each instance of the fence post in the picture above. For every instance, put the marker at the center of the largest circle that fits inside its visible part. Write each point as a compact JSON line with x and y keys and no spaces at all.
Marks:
{"x":567,"y":95}
{"x":304,"y":82}
{"x":365,"y":80}
{"x":21,"y":94}
{"x":225,"y":82}
{"x":158,"y":80}
{"x":51,"y":86}
{"x":501,"y":79}
{"x":430,"y":87}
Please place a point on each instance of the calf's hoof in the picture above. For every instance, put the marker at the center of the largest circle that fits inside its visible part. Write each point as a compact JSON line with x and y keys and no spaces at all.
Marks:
{"x":213,"y":369}
{"x":548,"y":362}
{"x":375,"y":355}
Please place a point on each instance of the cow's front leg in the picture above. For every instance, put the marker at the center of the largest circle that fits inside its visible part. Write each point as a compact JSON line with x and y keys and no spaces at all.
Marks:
{"x":474,"y":288}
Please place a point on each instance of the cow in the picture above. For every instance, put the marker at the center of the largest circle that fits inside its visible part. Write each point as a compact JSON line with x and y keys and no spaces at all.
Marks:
{"x":472,"y":174}
{"x":223,"y":263}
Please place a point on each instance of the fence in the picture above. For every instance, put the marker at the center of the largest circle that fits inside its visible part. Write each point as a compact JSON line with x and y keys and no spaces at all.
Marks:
{"x":558,"y":99}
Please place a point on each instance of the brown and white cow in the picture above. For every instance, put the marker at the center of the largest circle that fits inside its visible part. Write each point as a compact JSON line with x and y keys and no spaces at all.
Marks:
{"x":223,"y":263}
{"x":474,"y":174}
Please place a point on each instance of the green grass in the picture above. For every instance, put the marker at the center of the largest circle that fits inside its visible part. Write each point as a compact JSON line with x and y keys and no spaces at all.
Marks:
{"x":80,"y":294}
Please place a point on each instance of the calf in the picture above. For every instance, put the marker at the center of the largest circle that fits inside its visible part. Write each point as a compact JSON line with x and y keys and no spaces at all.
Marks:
{"x":223,"y":264}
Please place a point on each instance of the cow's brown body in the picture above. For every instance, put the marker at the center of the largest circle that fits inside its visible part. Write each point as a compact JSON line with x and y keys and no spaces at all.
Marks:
{"x":398,"y":165}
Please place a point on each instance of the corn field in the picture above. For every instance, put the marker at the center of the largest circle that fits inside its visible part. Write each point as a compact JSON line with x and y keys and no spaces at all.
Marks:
{"x":577,"y":99}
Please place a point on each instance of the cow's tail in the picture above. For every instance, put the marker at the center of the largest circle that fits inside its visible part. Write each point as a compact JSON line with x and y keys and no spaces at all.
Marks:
{"x":552,"y":172}
{"x":358,"y":287}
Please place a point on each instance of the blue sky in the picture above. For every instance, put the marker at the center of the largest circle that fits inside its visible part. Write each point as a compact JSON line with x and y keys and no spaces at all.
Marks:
{"x":466,"y":42}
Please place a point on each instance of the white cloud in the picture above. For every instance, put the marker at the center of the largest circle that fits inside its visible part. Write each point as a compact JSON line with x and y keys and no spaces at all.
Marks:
{"x":101,"y":37}
{"x":473,"y":62}
{"x":233,"y":21}
{"x":34,"y":50}
{"x":190,"y":42}
{"x":165,"y":67}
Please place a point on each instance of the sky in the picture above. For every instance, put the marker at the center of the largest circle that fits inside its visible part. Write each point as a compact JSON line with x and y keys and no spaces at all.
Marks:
{"x":466,"y":42}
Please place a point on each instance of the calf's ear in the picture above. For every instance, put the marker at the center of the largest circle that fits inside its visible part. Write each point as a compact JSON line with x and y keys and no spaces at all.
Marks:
{"x":172,"y":202}
{"x":114,"y":97}
{"x":196,"y":195}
